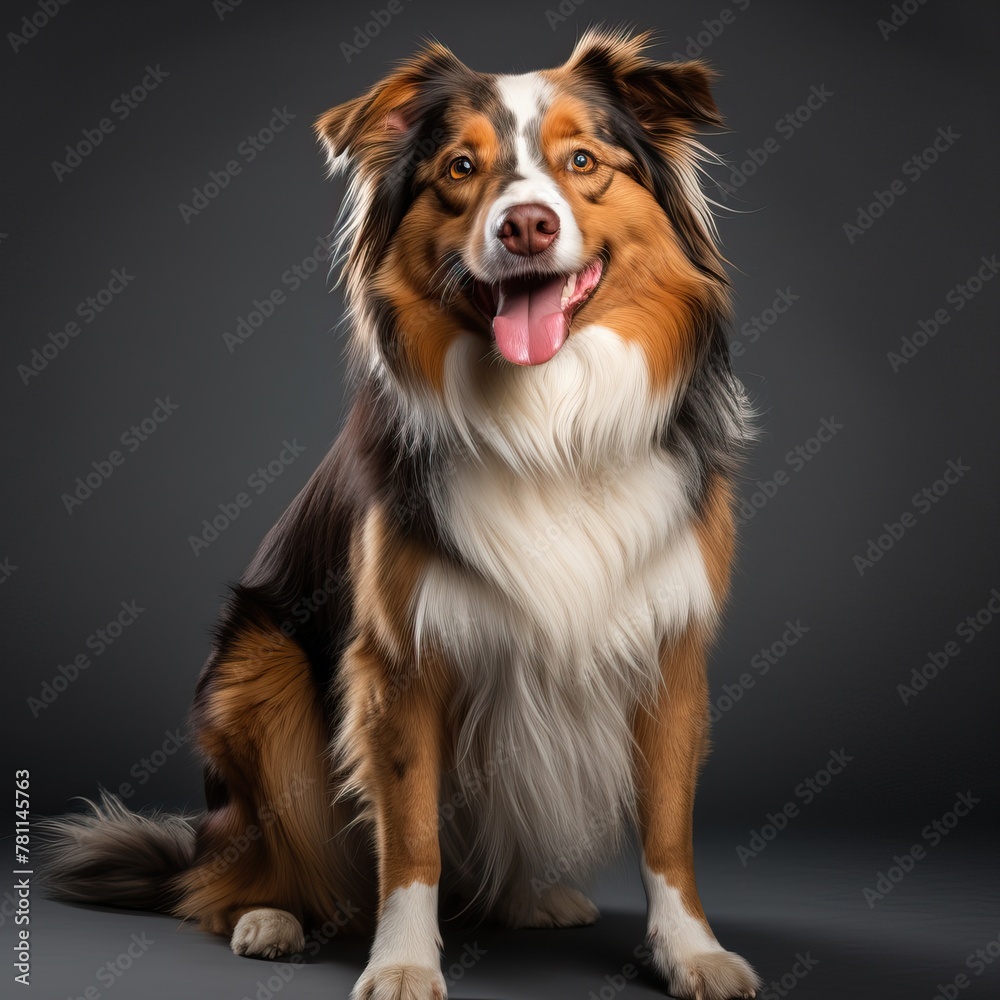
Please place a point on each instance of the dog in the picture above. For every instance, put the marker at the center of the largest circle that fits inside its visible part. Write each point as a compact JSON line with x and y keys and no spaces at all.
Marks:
{"x":471,"y":655}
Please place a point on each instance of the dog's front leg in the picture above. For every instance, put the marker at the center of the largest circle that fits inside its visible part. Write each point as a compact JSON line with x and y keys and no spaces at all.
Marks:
{"x":394,"y":738}
{"x":671,"y":739}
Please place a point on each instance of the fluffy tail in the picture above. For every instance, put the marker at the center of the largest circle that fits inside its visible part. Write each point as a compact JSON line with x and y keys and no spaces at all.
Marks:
{"x":111,"y":856}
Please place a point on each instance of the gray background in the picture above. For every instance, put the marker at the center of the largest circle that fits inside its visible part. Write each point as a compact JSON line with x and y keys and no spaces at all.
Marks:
{"x":826,"y":357}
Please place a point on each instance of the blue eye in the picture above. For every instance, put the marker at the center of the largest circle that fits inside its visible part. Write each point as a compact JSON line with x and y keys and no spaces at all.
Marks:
{"x":582,"y":162}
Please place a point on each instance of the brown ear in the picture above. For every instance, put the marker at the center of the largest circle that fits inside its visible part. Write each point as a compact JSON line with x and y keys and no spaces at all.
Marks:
{"x":332,"y":127}
{"x":376,"y":126}
{"x":658,"y":93}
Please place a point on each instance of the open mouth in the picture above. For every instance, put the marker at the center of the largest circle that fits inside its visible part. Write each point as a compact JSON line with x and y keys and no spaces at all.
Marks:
{"x":531,"y":315}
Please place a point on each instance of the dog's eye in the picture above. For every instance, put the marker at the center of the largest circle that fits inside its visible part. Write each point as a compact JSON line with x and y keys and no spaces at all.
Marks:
{"x":581,"y":162}
{"x":460,"y":168}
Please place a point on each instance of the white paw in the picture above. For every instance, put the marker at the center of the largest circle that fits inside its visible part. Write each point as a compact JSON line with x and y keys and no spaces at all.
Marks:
{"x":709,"y":975}
{"x":267,"y":933}
{"x":557,"y":906}
{"x":400,"y":982}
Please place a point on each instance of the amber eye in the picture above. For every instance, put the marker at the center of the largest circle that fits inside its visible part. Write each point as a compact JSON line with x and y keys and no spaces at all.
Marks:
{"x":460,"y":168}
{"x":582,"y":162}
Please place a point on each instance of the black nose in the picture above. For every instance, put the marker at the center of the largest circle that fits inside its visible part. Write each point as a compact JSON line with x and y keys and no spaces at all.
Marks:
{"x":529,"y":229}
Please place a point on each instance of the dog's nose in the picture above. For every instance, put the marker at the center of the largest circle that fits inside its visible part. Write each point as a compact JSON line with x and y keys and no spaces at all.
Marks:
{"x":529,"y":229}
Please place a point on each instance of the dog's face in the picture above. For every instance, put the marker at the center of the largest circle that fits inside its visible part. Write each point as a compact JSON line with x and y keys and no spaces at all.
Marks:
{"x":527,"y":207}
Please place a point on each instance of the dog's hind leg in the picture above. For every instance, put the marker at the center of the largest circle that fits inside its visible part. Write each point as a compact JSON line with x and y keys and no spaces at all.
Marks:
{"x":265,"y":932}
{"x":267,"y":859}
{"x":528,"y":904}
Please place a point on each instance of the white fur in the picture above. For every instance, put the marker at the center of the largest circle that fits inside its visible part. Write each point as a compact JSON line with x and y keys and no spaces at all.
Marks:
{"x":579,"y":558}
{"x":686,"y":952}
{"x":267,"y":933}
{"x":591,"y":405}
{"x":669,"y":924}
{"x":526,"y":96}
{"x":406,"y":938}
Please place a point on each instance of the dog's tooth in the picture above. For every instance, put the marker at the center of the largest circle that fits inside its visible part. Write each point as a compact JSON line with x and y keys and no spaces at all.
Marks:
{"x":568,"y":289}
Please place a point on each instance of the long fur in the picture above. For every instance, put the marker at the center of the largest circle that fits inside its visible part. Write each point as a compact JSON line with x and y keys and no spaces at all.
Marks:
{"x":115,"y":856}
{"x":544,"y":532}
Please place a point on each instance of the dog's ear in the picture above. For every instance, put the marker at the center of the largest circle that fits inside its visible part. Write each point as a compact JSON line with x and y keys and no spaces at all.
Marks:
{"x":377,"y":127}
{"x":657,"y":107}
{"x":661,"y":95}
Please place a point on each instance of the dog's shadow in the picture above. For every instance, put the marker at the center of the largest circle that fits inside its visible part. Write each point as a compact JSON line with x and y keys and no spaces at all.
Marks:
{"x":489,"y":961}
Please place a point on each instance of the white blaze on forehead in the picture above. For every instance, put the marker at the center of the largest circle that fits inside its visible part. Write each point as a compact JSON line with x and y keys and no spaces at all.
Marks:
{"x":527,"y":96}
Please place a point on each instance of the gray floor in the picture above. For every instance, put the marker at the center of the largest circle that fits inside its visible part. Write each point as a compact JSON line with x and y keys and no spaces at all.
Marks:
{"x":801,"y":898}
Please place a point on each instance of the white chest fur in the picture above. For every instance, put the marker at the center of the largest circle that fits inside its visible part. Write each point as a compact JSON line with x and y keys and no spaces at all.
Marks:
{"x":571,"y":574}
{"x":580,"y":572}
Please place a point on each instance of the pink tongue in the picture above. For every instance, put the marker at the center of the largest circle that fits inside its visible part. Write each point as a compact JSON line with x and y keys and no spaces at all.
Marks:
{"x":530,"y":325}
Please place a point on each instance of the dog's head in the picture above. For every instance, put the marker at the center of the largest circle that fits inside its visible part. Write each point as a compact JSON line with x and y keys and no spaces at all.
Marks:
{"x":526,"y":208}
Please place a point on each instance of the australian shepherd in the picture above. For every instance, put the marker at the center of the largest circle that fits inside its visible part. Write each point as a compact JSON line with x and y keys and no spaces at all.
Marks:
{"x":471,"y":655}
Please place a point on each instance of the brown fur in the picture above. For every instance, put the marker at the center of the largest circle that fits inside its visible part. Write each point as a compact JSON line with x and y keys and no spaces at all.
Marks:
{"x":394,"y":737}
{"x":308,"y":730}
{"x":716,"y":532}
{"x":648,"y":268}
{"x":671,"y":742}
{"x":261,"y":728}
{"x":649,"y":271}
{"x":672,"y":736}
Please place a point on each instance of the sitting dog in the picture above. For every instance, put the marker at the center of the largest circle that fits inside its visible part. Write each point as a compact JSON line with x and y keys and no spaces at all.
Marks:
{"x":496,"y":592}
